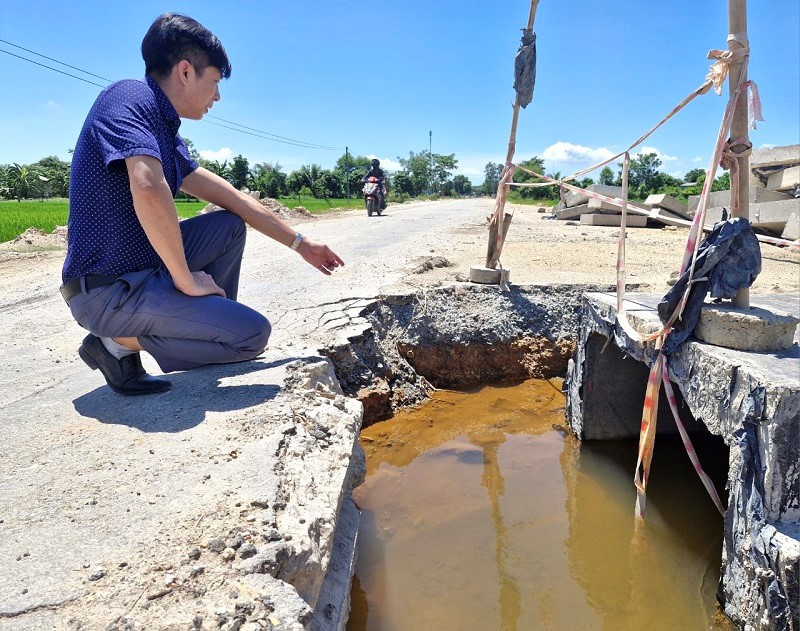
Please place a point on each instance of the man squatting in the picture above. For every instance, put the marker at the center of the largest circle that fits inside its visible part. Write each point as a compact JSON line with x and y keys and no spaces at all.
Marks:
{"x":136,"y":277}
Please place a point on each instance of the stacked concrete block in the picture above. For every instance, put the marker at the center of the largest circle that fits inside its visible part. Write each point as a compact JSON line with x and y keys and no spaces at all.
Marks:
{"x":601,"y":219}
{"x":575,"y":199}
{"x":719,"y":199}
{"x":791,"y":230}
{"x":597,"y":212}
{"x":766,"y":162}
{"x":774,"y":191}
{"x":670,"y":204}
{"x":787,"y":180}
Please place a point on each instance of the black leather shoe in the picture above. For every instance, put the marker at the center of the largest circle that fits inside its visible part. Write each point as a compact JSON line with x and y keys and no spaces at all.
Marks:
{"x":124,"y":376}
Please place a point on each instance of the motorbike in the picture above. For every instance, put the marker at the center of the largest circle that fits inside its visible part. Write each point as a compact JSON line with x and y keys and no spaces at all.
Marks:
{"x":372,"y":195}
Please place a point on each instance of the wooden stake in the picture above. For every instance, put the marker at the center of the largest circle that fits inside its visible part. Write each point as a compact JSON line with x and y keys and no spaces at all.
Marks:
{"x":737,"y":26}
{"x":500,"y":218}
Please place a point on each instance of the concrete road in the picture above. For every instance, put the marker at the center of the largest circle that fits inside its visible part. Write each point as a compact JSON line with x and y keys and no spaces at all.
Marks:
{"x":103,"y":496}
{"x":379,"y":254}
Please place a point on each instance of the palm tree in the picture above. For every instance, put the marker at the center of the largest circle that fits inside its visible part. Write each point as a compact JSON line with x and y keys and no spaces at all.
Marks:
{"x":19,"y":180}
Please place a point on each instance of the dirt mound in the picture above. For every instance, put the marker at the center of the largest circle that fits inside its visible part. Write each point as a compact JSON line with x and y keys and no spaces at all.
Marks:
{"x":35,"y":242}
{"x":282,"y":211}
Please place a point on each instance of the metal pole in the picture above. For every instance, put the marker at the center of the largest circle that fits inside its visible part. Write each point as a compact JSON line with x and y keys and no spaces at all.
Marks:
{"x":430,"y":162}
{"x":737,"y":27}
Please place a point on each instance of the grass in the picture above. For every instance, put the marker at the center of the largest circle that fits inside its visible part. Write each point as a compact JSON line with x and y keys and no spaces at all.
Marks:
{"x":514,"y":198}
{"x":17,"y":217}
{"x":320,"y":206}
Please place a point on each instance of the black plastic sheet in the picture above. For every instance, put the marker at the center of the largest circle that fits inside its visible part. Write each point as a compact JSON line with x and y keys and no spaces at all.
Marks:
{"x":729,"y":259}
{"x":525,"y":68}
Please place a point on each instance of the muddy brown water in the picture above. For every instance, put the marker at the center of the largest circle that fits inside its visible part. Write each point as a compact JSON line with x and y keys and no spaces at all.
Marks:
{"x":479,"y":511}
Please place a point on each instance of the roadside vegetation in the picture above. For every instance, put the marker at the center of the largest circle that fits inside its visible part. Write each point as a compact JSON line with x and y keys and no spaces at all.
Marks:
{"x":35,"y":195}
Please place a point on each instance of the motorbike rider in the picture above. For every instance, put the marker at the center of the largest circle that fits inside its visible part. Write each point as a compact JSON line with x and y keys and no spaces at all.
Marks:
{"x":376,"y":171}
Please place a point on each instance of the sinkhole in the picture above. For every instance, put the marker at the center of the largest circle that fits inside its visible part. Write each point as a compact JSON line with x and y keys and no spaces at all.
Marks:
{"x":481,"y":509}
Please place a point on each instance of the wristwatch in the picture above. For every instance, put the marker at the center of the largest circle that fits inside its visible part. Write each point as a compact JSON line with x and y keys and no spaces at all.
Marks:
{"x":297,"y":241}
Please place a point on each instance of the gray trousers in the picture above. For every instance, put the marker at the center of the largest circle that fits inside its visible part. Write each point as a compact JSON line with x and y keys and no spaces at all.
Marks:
{"x":181,"y":331}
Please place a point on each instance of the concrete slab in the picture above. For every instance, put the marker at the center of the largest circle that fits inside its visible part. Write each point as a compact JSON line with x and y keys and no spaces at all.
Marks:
{"x":576,"y":199}
{"x":668,"y":203}
{"x":791,"y":230}
{"x":595,"y":219}
{"x":784,"y":180}
{"x":666,"y":218}
{"x":785,"y":156}
{"x":601,"y":206}
{"x":771,"y":216}
{"x":718,"y":199}
{"x":754,"y":329}
{"x":750,"y":399}
{"x":572,"y":213}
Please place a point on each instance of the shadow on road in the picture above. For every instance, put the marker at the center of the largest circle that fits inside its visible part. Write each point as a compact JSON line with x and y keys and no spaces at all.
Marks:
{"x":193,"y":394}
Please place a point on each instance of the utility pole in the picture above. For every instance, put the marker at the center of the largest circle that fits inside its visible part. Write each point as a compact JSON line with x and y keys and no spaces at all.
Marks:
{"x":347,"y":170}
{"x":430,"y":163}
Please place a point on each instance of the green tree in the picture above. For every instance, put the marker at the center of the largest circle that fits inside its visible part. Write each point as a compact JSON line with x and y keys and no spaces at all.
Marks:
{"x":240,"y":172}
{"x":305,"y":176}
{"x":4,"y":189}
{"x":607,"y":176}
{"x":694,"y":176}
{"x":443,"y":166}
{"x":328,"y":184}
{"x":492,"y":172}
{"x":419,"y":168}
{"x":56,"y":171}
{"x":643,"y":172}
{"x":350,"y":169}
{"x":462,"y":185}
{"x":219,"y":168}
{"x":193,"y":153}
{"x":722,"y":183}
{"x":403,"y":183}
{"x":20,"y":180}
{"x":535,"y":164}
{"x":269,"y":179}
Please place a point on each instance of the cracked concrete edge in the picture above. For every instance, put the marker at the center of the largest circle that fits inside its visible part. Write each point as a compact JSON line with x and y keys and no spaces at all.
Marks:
{"x":324,"y":416}
{"x":760,"y":571}
{"x":320,"y":465}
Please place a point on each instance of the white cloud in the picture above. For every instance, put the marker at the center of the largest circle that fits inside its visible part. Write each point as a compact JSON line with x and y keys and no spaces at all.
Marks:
{"x":226,"y":153}
{"x":387,"y":164}
{"x":697,"y":159}
{"x":565,"y":152}
{"x":661,"y":156}
{"x":767,"y":146}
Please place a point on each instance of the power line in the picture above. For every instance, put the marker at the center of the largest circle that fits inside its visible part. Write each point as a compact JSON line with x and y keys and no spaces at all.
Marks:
{"x":288,"y":141}
{"x":28,"y":50}
{"x":51,"y":68}
{"x":242,"y":129}
{"x":266,"y":133}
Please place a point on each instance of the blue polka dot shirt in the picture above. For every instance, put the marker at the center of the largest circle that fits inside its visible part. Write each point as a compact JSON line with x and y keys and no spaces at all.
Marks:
{"x":129,"y":118}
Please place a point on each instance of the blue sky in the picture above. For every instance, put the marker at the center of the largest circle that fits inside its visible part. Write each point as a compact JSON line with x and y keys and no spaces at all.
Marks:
{"x":377,"y":77}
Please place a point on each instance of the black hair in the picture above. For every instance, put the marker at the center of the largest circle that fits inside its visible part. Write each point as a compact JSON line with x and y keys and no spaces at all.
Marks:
{"x":173,"y":37}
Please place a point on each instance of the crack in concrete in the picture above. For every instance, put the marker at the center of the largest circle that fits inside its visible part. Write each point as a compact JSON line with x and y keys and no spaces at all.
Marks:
{"x":33,"y":609}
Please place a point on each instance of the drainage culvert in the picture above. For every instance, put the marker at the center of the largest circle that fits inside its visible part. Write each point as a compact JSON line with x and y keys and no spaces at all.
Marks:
{"x":481,"y":511}
{"x":519,"y":473}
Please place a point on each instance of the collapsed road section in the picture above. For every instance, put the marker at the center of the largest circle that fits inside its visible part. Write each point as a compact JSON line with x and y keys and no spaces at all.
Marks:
{"x":468,"y":334}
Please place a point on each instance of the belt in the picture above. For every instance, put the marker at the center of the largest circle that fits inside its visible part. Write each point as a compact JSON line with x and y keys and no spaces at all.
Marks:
{"x":91,"y":281}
